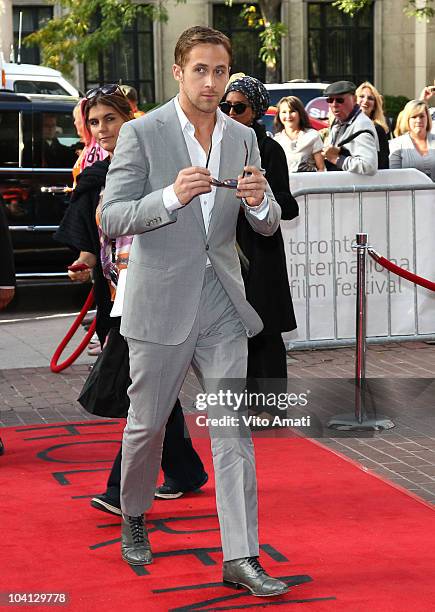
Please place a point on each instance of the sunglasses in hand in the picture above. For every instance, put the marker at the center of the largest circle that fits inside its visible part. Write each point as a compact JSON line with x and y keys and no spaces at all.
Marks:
{"x":228,"y":183}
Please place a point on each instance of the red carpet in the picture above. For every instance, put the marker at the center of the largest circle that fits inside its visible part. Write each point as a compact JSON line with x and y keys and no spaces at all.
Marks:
{"x":346,"y":539}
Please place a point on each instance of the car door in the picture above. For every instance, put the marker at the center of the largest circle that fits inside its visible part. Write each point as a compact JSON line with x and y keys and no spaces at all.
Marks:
{"x":32,"y":183}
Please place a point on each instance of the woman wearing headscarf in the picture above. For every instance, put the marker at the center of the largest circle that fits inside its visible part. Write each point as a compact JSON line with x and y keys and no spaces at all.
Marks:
{"x":263,"y":258}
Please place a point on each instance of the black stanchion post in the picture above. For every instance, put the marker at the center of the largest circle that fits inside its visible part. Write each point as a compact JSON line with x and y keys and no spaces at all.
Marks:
{"x":359,"y":420}
{"x":360,"y":350}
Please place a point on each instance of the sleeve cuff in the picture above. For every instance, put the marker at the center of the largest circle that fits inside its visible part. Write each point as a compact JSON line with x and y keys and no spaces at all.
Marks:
{"x":261,"y":211}
{"x":170,"y":200}
{"x":340,"y":161}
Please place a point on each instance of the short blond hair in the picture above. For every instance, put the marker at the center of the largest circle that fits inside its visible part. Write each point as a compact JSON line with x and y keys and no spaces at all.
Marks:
{"x":377,"y":115}
{"x":412,"y":108}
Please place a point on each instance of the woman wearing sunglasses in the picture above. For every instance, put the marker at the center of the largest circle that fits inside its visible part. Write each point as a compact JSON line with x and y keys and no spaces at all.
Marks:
{"x":370,"y":102}
{"x":301,"y":143}
{"x":106,"y":109}
{"x":262,"y":258}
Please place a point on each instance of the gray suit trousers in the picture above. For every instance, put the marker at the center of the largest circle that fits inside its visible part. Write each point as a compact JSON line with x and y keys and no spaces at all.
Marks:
{"x":217,"y":349}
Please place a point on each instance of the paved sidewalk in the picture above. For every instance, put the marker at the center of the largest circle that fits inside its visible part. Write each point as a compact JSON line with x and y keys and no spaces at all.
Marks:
{"x":405,"y":455}
{"x":31,"y":342}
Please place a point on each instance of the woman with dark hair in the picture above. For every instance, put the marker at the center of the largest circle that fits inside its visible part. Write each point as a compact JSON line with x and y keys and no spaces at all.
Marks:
{"x":263,"y":258}
{"x":106,"y":109}
{"x":91,"y":151}
{"x":301,"y":143}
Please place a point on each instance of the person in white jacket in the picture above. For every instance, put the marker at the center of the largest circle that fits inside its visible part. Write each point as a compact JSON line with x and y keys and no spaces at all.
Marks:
{"x":352,"y":143}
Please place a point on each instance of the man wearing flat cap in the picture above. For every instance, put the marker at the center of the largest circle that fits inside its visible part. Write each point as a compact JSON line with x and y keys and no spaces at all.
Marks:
{"x":352,"y":143}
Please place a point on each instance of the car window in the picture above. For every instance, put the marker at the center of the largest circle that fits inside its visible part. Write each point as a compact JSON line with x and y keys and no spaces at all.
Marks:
{"x":40,"y":87}
{"x":267,"y":121}
{"x":56,"y":139}
{"x":303,"y":94}
{"x":9,"y":140}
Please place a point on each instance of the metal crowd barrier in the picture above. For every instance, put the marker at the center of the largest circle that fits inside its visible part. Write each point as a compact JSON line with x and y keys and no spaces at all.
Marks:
{"x":390,"y":209}
{"x":309,"y":338}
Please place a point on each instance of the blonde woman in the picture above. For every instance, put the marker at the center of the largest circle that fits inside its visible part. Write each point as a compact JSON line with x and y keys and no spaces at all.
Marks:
{"x":416,"y":148}
{"x":371,"y":104}
{"x":400,"y":128}
{"x":301,"y":143}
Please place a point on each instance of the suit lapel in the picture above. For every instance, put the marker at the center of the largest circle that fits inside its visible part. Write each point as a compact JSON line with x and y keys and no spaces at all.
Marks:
{"x":176,"y":149}
{"x":228,"y":168}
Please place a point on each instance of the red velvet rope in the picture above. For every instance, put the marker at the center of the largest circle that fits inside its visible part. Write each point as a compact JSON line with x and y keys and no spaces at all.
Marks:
{"x":385,"y":263}
{"x":54,"y":366}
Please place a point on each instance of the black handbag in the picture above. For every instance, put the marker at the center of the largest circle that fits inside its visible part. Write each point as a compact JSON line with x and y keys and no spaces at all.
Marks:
{"x":105,"y":390}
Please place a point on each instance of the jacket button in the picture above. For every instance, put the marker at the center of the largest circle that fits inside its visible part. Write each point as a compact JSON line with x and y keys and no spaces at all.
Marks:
{"x":207,"y":247}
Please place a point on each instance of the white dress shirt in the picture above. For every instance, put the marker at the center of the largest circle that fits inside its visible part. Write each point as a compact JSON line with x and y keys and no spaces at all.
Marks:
{"x":198,"y":157}
{"x":300,"y":152}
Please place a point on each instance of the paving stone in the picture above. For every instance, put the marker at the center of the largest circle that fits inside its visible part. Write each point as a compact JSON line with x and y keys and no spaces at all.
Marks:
{"x":400,"y":468}
{"x":429,"y":488}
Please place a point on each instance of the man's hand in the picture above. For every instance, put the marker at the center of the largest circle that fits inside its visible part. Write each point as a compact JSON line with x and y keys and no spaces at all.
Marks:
{"x":192,"y":182}
{"x":252,"y":186}
{"x":331,"y":153}
{"x":6,"y":296}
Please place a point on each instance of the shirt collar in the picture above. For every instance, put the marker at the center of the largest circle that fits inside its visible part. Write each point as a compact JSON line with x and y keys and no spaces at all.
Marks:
{"x":186,"y":125}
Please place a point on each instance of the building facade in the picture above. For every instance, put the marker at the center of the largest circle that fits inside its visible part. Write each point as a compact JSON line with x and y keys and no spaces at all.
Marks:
{"x":381,"y":44}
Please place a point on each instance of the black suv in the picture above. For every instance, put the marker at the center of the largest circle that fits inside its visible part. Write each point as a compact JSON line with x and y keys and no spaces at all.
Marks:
{"x":38,"y":148}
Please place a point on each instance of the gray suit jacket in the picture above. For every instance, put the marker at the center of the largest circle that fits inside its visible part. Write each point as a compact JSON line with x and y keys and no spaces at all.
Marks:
{"x":169,"y":251}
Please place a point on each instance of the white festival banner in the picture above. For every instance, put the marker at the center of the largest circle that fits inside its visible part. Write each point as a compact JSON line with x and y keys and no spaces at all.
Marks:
{"x":321,"y":262}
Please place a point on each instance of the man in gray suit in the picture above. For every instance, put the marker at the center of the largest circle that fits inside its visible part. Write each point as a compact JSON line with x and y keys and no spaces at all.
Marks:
{"x":184,"y":300}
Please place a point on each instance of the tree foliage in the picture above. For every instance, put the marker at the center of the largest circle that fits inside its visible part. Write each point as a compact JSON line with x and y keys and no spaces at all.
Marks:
{"x":88,"y":27}
{"x":271,"y":32}
{"x":423,"y":10}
